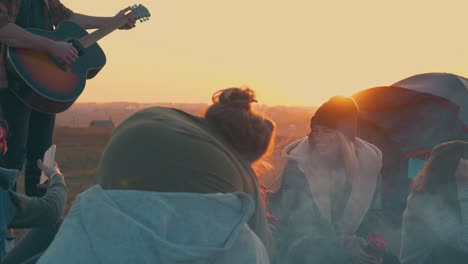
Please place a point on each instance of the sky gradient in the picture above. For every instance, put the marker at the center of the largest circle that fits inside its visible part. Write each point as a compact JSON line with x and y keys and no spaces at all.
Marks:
{"x":292,"y":52}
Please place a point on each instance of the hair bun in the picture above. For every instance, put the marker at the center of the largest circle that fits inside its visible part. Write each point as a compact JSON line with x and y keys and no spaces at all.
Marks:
{"x":235,"y":97}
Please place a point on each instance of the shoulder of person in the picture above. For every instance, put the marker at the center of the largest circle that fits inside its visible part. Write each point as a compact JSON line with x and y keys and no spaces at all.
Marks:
{"x":370,"y":147}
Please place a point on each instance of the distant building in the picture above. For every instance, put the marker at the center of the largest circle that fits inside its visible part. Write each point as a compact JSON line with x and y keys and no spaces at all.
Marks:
{"x":102,"y":123}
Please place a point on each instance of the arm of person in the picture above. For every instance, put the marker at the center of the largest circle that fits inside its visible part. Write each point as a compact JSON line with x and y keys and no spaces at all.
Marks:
{"x":37,"y":211}
{"x":15,"y":36}
{"x":92,"y":22}
{"x":40,"y":211}
{"x":60,"y":13}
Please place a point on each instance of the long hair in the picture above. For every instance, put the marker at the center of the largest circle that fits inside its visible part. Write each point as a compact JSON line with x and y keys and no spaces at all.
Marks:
{"x":249,"y":133}
{"x":347,"y":156}
{"x":439,"y":174}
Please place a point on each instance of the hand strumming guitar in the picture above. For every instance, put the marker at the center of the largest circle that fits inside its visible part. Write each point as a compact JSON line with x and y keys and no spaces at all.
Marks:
{"x":63,"y":51}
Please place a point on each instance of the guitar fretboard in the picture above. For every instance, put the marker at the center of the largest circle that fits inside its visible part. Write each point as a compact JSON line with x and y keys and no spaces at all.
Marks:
{"x":95,"y":36}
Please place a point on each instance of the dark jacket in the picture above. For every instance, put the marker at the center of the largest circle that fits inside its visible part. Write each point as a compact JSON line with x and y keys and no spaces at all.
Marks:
{"x":20,"y":211}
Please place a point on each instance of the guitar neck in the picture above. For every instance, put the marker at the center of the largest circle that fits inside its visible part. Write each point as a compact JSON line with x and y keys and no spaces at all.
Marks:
{"x":100,"y":33}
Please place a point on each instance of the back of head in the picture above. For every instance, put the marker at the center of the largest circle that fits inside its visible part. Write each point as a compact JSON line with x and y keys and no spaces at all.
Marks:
{"x":250,"y":134}
{"x":439,"y":171}
{"x":167,"y":150}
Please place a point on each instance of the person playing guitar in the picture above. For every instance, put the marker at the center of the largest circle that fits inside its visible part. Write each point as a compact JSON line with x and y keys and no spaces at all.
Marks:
{"x":30,"y":131}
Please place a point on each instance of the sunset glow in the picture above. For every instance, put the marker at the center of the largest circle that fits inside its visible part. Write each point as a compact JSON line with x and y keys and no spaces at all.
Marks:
{"x":291,"y":52}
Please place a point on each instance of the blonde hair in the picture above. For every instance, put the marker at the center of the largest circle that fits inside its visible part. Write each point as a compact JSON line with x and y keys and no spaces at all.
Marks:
{"x":349,"y":156}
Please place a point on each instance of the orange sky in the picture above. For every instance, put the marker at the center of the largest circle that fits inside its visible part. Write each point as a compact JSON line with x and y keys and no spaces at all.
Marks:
{"x":292,"y":52}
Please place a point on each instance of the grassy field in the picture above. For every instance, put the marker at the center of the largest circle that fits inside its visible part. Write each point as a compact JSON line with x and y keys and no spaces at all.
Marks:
{"x":78,"y":154}
{"x":79,"y":148}
{"x":79,"y":151}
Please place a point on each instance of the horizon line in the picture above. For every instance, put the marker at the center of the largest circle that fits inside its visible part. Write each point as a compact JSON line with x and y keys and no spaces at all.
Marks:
{"x":188,"y":103}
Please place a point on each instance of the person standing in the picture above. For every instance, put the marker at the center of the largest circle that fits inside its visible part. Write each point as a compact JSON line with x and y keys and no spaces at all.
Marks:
{"x":30,"y":132}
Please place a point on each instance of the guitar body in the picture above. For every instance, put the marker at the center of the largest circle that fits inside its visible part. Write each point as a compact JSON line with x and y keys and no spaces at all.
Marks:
{"x":51,"y":88}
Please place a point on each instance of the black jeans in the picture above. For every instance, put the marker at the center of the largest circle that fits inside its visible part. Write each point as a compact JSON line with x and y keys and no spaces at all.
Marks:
{"x":30,"y":135}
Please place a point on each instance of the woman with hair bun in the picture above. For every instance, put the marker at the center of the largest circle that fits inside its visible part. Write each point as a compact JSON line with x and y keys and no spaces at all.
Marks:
{"x":231,"y":114}
{"x":178,"y":188}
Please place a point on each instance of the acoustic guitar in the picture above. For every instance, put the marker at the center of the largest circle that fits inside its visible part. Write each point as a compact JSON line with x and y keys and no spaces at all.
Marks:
{"x":51,"y":86}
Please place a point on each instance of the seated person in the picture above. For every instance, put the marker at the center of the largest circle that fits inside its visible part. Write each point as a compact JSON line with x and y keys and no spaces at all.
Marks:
{"x":435,"y":222}
{"x":174,"y":188}
{"x":43,"y":214}
{"x":329,"y":201}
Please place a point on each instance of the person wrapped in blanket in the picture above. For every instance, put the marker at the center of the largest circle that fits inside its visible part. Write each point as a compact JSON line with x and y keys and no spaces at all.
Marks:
{"x":329,"y":204}
{"x":172,"y":187}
